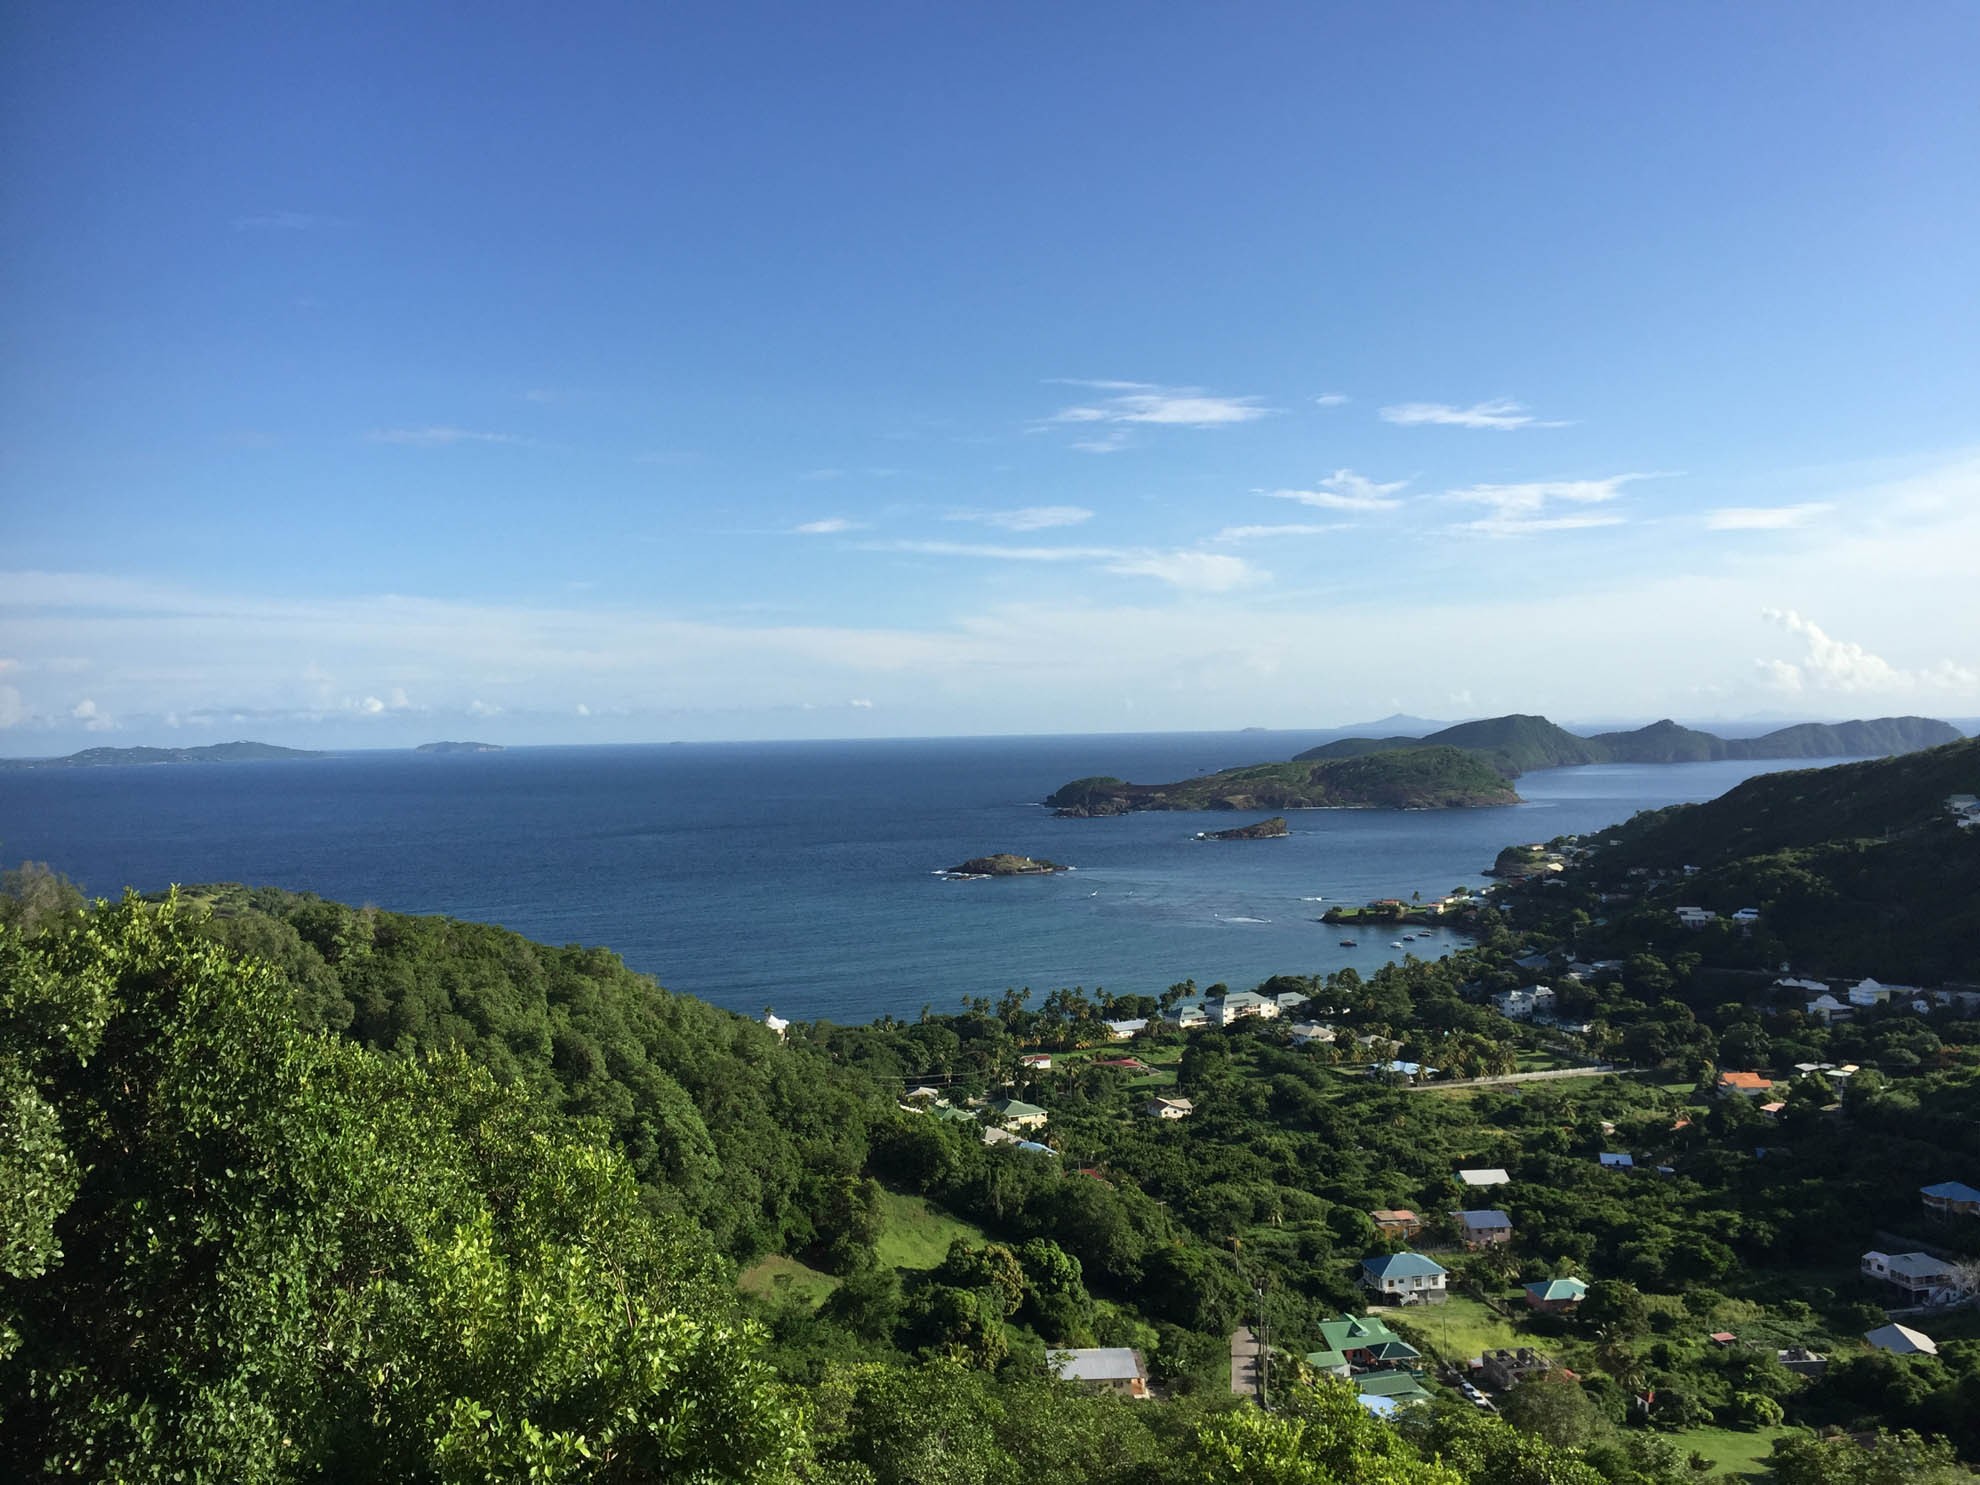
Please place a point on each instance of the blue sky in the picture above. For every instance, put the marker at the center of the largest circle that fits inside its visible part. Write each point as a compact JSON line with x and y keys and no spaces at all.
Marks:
{"x":623,"y":373}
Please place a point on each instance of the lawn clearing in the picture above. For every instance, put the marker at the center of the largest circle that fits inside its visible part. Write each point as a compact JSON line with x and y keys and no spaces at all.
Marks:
{"x":777,"y":1277}
{"x":915,"y":1235}
{"x":1740,"y":1454}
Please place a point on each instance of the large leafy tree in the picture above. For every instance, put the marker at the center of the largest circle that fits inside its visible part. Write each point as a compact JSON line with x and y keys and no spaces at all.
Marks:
{"x":231,"y":1249}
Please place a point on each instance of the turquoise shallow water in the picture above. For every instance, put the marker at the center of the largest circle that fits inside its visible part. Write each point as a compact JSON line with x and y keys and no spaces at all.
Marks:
{"x":799,"y":875}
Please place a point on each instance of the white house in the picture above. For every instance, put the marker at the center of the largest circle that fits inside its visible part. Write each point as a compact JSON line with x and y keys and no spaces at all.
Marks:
{"x":1696,"y":917}
{"x":1524,"y":1005}
{"x":1104,"y":1368}
{"x":1902,"y":1340}
{"x":1168,"y":1108}
{"x":1290,"y":1002}
{"x":1921,"y":1278}
{"x":1120,"y":1031}
{"x":1304,"y":1032}
{"x":776,"y":1023}
{"x":1827,"y":1009}
{"x":1239,"y":1004}
{"x":1489,"y":1176}
{"x":1404,"y":1278}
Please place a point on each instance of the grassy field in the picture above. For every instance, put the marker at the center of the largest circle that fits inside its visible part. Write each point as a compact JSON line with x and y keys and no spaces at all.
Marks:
{"x":779,"y":1276}
{"x":1739,"y":1454}
{"x":1460,"y":1327}
{"x":916,"y":1235}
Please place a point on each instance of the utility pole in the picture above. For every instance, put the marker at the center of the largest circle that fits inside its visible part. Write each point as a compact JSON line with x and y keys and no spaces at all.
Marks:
{"x":1264,"y":1353}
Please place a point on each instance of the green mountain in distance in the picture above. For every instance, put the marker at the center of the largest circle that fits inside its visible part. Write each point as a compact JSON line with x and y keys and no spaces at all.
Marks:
{"x":232,"y":752}
{"x":1417,"y":778}
{"x":1517,"y":744}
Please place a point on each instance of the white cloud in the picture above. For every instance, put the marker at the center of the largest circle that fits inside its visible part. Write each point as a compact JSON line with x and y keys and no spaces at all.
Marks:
{"x":1330,"y":399}
{"x":1196,"y":572}
{"x":1205,"y":572}
{"x":91,"y":716}
{"x":1501,"y":412}
{"x":1519,"y":509}
{"x":13,"y":711}
{"x":371,"y":706}
{"x":1830,"y":664}
{"x":1763,"y":517}
{"x":1345,"y":490}
{"x":1110,"y":442}
{"x":480,"y":708}
{"x":861,"y":704}
{"x":583,"y":710}
{"x":1147,"y":403}
{"x":1026,"y":518}
{"x":436,"y":437}
{"x":829,"y":526}
{"x":1267,"y":533}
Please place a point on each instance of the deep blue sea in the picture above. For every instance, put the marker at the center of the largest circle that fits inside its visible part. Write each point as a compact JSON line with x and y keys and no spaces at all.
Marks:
{"x":800,"y":875}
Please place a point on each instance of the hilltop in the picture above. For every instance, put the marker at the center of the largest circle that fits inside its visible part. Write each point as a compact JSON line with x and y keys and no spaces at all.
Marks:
{"x":231,"y":752}
{"x":448,"y":748}
{"x":1416,"y":778}
{"x":1518,"y":743}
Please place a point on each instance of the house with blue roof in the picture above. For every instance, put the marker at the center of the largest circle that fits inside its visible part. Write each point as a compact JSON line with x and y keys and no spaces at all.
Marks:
{"x":1484,"y":1229}
{"x":1951,"y":1199}
{"x":1555,"y":1295}
{"x":1405,"y":1278}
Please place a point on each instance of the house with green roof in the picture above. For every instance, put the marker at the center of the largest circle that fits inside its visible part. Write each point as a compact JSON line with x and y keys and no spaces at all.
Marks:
{"x":1014,"y":1113}
{"x":1405,"y":1278}
{"x":1555,"y":1295}
{"x":1397,"y":1387}
{"x":1361,"y":1342}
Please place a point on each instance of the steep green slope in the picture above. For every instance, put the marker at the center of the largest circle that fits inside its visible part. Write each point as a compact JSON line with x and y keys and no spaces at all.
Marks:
{"x":1513,"y":744}
{"x":1414,"y":778}
{"x":752,"y":1139}
{"x":1885,"y":735}
{"x":1660,"y":742}
{"x":1856,"y":869}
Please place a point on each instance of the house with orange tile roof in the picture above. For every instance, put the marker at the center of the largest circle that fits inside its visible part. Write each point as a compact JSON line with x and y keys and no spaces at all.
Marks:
{"x":1746,"y":1084}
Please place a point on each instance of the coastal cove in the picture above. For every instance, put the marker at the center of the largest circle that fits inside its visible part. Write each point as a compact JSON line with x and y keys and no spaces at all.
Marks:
{"x":801,"y":875}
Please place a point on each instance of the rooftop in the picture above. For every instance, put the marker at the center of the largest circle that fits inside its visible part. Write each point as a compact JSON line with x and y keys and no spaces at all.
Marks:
{"x":1403,"y":1266}
{"x":1098,"y":1364}
{"x":1491,"y":1176}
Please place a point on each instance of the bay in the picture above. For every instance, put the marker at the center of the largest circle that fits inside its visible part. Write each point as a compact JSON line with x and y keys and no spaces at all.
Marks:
{"x":801,"y":875}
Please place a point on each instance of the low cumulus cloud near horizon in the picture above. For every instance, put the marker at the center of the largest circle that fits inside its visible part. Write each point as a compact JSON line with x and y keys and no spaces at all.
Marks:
{"x":1830,"y":664}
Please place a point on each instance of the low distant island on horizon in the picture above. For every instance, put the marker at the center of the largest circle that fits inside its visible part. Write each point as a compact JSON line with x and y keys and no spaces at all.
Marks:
{"x":449,"y":748}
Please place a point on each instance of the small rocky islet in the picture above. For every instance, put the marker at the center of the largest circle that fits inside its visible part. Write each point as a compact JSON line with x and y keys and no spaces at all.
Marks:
{"x":1002,"y":864}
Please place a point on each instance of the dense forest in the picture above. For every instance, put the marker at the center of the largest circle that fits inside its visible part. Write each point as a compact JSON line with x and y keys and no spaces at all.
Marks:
{"x":290,"y":1189}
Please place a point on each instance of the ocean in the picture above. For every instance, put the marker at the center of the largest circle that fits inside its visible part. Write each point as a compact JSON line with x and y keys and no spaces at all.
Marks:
{"x":801,"y":876}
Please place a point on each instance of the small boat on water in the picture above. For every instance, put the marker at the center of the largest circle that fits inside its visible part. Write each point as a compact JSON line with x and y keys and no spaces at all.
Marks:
{"x":1348,"y":943}
{"x":1395,"y":943}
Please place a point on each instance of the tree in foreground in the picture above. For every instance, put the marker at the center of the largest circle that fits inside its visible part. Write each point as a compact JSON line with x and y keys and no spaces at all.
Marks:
{"x":230,"y":1249}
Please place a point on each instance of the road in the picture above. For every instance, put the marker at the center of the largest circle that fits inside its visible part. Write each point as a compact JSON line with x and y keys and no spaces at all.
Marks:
{"x":1601,"y":1071}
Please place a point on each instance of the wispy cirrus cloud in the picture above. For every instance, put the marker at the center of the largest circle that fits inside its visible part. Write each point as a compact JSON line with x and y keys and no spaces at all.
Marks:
{"x":1830,"y":664}
{"x":1148,"y":404}
{"x":1331,"y":399}
{"x":1501,"y":413}
{"x":1268,"y":533}
{"x":1763,"y":517}
{"x":1521,"y":509}
{"x":1026,"y":518}
{"x":1345,"y":490}
{"x":1193,"y":571}
{"x":438,"y":437}
{"x":827,"y":526}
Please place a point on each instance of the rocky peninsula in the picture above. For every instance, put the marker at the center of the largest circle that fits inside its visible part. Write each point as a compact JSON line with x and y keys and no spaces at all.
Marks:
{"x":1271,"y":829}
{"x":1420,"y":778}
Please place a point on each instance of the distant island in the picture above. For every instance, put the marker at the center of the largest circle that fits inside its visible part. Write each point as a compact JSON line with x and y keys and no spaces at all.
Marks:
{"x":1003,"y":864}
{"x":232,"y":752}
{"x":458,"y":747}
{"x":1271,"y":829}
{"x":1420,"y":778}
{"x":1516,"y":744}
{"x":1473,"y":764}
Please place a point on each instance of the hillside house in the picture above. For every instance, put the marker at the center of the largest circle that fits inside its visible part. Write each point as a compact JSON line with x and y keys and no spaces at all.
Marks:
{"x":1919,"y":1277}
{"x":1951,"y":1199}
{"x":1744,"y":1084}
{"x":1696,"y":917}
{"x":1405,"y":1278}
{"x":1617,"y":1162}
{"x":1037,"y":1061}
{"x":1131,"y":1065}
{"x":1902,"y":1340}
{"x":1115,"y":1369}
{"x":1190,"y":1015}
{"x":1384,"y":1391}
{"x":1014,"y":1113}
{"x":1505,"y":1369}
{"x":1360,"y":1343}
{"x":1828,"y":1010}
{"x":1525,"y":1004}
{"x":776,"y":1023}
{"x":1555,"y":1296}
{"x":1168,"y":1108}
{"x":1802,"y":1361}
{"x":1413,"y":1072}
{"x":1121,"y":1031}
{"x":1488,"y":1176}
{"x":1397,"y":1222}
{"x":1746,"y":917}
{"x":1484,"y":1229}
{"x":1240,"y":1005}
{"x":1305,"y":1033}
{"x":1291,"y":1001}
